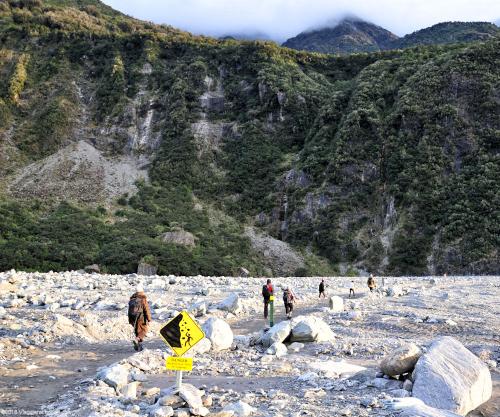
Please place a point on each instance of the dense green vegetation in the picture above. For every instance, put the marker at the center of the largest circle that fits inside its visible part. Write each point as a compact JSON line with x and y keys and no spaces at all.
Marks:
{"x":385,"y":161}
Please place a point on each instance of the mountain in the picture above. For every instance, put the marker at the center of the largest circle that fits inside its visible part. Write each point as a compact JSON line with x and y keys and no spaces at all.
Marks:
{"x":449,"y":32}
{"x":350,"y":35}
{"x":358,"y":36}
{"x":124,"y":142}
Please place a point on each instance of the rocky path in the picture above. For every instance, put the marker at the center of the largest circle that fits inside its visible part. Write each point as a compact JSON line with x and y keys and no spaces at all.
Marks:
{"x":54,"y":370}
{"x":59,"y":368}
{"x":57,"y":331}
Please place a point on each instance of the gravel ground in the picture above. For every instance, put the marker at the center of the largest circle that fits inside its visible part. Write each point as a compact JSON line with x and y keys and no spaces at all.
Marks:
{"x":57,"y":330}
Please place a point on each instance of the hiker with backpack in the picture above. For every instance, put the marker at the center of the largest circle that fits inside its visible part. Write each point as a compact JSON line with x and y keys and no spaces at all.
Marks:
{"x":267,"y":294}
{"x":371,"y":283}
{"x":139,"y":316}
{"x":288,"y":299}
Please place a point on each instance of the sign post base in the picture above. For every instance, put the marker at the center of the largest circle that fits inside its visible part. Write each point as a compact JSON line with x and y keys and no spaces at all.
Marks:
{"x":178,"y":380}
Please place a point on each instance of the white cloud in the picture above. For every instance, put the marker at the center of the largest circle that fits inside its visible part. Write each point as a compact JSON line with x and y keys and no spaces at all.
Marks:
{"x":282,"y":19}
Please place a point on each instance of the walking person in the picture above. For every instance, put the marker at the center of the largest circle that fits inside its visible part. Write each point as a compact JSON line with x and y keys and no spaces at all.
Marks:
{"x":139,"y":316}
{"x":371,"y":283}
{"x":267,"y":294}
{"x":322,"y":287}
{"x":289,"y":300}
{"x":351,"y":289}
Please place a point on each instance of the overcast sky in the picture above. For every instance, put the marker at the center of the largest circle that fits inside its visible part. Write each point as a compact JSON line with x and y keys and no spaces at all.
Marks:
{"x":281,"y":19}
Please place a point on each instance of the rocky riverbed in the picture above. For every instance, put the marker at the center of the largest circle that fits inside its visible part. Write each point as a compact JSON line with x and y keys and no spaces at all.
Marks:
{"x":65,"y":347}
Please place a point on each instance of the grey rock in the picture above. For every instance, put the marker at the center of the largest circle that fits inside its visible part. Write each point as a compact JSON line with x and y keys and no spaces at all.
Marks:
{"x":156,"y":411}
{"x":401,"y":361}
{"x":130,"y":390}
{"x":231,"y":304}
{"x":336,"y":304}
{"x":311,"y":329}
{"x":219,"y":333}
{"x":278,"y":333}
{"x":92,"y":269}
{"x":450,"y":377}
{"x":146,"y":269}
{"x":278,"y":349}
{"x":240,"y":409}
{"x":179,"y":237}
{"x":115,"y":376}
{"x":413,"y":407}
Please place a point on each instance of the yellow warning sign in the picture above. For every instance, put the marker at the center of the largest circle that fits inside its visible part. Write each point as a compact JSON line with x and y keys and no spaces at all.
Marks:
{"x":176,"y":363}
{"x":181,"y":333}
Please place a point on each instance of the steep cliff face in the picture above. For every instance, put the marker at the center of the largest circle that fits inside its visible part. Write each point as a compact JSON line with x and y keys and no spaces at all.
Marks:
{"x":116,"y":132}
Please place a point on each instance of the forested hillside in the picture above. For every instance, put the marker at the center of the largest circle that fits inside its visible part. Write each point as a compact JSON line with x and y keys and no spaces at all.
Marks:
{"x":122,"y":140}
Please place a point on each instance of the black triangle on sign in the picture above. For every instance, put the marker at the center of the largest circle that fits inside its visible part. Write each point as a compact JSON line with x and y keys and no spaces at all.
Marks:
{"x":171,"y":332}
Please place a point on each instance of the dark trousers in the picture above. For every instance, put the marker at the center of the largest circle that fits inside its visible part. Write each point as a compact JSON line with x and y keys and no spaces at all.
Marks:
{"x":266,"y":308}
{"x":288,"y":308}
{"x":322,"y":293}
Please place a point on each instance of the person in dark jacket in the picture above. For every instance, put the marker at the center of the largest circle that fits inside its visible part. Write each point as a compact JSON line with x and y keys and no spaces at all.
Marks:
{"x":139,"y":316}
{"x":267,"y":293}
{"x":288,"y":299}
{"x":322,"y":289}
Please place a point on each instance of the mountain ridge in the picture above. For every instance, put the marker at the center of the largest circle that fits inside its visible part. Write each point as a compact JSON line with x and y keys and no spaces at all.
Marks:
{"x":349,"y":35}
{"x":356,"y":35}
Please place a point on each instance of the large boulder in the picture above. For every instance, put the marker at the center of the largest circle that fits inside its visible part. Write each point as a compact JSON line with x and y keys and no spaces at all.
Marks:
{"x":92,"y":269}
{"x":231,"y":304}
{"x":401,"y":361}
{"x":180,"y":237}
{"x":450,"y":377}
{"x":115,"y":376}
{"x":278,"y":333}
{"x":311,"y":329}
{"x":219,"y":333}
{"x":146,"y":269}
{"x":336,"y":304}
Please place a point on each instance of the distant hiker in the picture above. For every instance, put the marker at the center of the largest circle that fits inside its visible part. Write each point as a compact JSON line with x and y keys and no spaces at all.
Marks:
{"x":322,"y":289}
{"x":267,"y":293}
{"x":371,"y":283}
{"x":288,"y":299}
{"x":139,"y":316}
{"x":351,"y":289}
